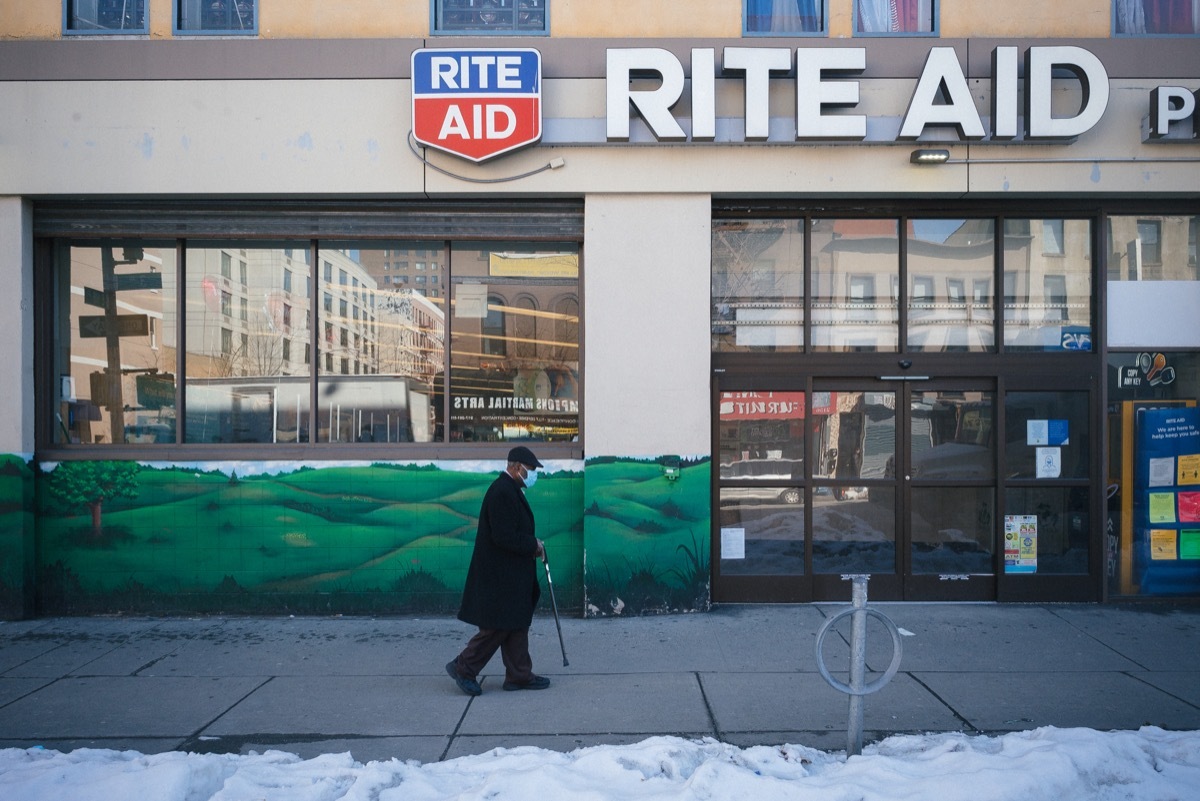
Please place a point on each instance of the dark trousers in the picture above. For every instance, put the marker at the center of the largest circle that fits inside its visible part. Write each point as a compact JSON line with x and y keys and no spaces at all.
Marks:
{"x":513,"y":645}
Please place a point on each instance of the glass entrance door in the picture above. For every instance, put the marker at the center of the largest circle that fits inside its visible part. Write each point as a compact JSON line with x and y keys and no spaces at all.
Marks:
{"x":949,"y":495}
{"x":905,"y":488}
{"x":895,"y":479}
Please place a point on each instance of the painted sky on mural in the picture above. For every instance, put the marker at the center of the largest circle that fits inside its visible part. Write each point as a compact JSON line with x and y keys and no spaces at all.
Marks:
{"x":1045,"y":764}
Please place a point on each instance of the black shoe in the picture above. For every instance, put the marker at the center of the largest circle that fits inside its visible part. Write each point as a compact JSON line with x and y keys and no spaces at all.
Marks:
{"x":468,"y":686}
{"x":536,"y":683}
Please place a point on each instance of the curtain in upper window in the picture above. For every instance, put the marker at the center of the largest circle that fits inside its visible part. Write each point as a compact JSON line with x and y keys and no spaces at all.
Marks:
{"x":894,"y":16}
{"x":1157,"y":16}
{"x":785,"y":16}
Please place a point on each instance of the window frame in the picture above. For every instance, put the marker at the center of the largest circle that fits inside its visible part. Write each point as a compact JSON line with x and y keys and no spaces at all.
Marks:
{"x":544,"y":225}
{"x":178,"y":30}
{"x":69,"y":6}
{"x":1120,"y":34}
{"x":933,"y":32}
{"x":822,"y":31}
{"x":438,"y":28}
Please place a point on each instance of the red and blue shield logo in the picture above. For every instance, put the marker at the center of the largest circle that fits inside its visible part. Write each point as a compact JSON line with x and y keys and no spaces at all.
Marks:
{"x":477,"y":104}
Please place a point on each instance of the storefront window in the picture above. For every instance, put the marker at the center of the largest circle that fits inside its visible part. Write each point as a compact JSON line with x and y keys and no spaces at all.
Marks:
{"x":945,"y":257}
{"x":1046,"y":530}
{"x":758,"y":285}
{"x":242,"y":382}
{"x":1154,"y":473}
{"x":114,"y":357}
{"x":774,"y":17}
{"x":855,"y":285}
{"x":1044,"y":426}
{"x":514,"y":357}
{"x":263,"y":340}
{"x":1047,"y":285}
{"x":762,"y":483}
{"x":1152,"y":248}
{"x":385,"y":347}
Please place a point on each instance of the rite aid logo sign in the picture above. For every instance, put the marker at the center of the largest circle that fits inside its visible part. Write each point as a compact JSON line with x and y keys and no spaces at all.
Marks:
{"x":477,"y":104}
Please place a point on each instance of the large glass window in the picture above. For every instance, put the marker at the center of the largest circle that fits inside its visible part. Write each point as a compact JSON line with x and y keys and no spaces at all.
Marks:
{"x":762,"y":476}
{"x":758,"y":285}
{"x":855,"y":273}
{"x":491,"y":16}
{"x":942,"y":256}
{"x":891,"y":17}
{"x":381,"y":380}
{"x":105,"y":16}
{"x":216,"y":16}
{"x":1047,"y":458}
{"x":934,"y":279}
{"x":1152,"y":247}
{"x":1156,"y":17}
{"x":239,"y":387}
{"x":115,"y":342}
{"x":1154,"y":472}
{"x":1047,"y":285}
{"x":514,"y":375}
{"x":259,"y":336}
{"x":774,"y":17}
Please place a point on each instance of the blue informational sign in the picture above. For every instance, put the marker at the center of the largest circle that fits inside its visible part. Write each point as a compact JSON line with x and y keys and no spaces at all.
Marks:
{"x":1167,"y":501}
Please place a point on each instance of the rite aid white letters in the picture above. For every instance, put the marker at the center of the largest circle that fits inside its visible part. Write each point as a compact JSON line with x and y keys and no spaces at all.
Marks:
{"x":825,"y":90}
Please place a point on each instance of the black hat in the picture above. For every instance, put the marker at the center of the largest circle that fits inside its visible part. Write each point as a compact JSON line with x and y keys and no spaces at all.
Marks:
{"x":524,"y":456}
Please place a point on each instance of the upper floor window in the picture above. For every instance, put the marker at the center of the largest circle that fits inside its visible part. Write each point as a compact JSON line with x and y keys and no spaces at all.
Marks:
{"x":104,"y":16}
{"x":529,"y":17}
{"x":774,"y":17}
{"x":1156,"y":17}
{"x":216,"y":16}
{"x":894,"y":17}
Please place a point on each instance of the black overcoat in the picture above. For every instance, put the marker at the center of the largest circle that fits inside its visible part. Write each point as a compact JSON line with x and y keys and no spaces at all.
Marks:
{"x":502,"y":587}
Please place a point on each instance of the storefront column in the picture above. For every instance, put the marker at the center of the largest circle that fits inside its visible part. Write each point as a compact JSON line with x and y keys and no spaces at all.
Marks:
{"x":16,"y":404}
{"x":647,"y":417}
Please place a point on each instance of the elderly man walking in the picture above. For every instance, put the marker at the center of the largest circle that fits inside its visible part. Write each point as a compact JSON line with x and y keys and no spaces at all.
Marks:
{"x":502,"y":588}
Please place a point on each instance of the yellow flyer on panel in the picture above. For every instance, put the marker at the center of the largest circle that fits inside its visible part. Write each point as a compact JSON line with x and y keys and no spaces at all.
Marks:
{"x":1163,"y":544}
{"x":1189,"y":469}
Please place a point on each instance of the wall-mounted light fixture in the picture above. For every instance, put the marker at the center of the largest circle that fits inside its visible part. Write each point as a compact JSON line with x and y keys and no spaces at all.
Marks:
{"x":928,"y":156}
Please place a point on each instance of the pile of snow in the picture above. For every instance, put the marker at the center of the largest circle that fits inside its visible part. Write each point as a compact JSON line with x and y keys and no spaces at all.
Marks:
{"x":1049,"y":763}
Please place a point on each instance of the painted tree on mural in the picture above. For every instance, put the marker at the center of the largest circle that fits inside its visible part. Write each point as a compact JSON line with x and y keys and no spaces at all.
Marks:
{"x":90,"y":484}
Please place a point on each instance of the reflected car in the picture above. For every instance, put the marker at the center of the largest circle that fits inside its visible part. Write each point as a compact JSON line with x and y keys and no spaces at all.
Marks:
{"x":752,"y":471}
{"x":788,"y":495}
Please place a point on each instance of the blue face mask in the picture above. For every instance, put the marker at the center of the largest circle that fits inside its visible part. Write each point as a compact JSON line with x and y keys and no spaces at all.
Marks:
{"x":530,"y":477}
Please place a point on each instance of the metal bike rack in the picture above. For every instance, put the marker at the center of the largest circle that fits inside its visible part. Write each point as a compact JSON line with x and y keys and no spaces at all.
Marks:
{"x":858,"y":688}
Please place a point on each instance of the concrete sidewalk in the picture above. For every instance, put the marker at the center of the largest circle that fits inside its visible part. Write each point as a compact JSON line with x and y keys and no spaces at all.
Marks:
{"x":743,"y":674}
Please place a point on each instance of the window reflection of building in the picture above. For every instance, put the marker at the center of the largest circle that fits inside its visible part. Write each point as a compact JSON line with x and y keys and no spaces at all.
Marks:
{"x":119,"y":386}
{"x":757,"y":285}
{"x":380,"y":355}
{"x":515,"y":346}
{"x":847,"y":254}
{"x":1146,"y":248}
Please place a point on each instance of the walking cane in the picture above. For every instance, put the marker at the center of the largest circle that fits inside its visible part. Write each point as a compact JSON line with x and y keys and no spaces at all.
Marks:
{"x":554,"y":606}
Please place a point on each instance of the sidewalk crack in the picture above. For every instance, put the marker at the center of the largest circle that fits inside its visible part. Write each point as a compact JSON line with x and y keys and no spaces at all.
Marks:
{"x":712,"y":718}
